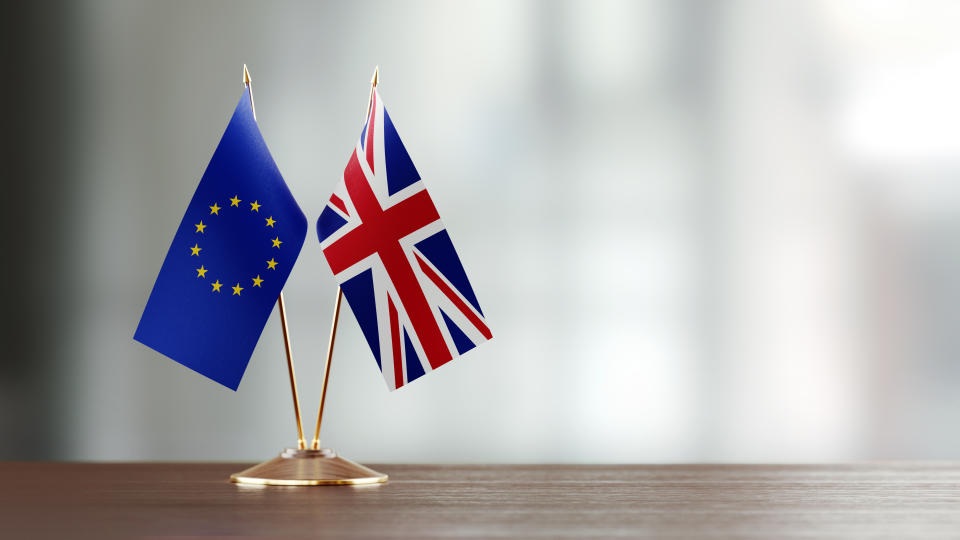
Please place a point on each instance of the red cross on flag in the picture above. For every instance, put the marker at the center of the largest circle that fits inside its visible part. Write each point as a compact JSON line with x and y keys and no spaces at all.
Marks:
{"x":392,"y":256}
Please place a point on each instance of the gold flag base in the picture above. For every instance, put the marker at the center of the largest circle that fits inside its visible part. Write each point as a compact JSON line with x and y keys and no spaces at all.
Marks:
{"x":309,"y":468}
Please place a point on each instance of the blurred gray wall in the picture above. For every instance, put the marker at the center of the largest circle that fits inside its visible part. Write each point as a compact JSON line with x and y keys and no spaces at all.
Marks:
{"x":720,"y":231}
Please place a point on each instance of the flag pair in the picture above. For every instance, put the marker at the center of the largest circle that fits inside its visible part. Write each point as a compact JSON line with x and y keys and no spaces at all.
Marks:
{"x":380,"y":233}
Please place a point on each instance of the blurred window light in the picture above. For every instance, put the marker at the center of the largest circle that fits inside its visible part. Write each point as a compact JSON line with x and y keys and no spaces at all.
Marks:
{"x":900,"y":74}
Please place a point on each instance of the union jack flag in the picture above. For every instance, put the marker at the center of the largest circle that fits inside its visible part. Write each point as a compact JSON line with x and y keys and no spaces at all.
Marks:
{"x":392,"y":256}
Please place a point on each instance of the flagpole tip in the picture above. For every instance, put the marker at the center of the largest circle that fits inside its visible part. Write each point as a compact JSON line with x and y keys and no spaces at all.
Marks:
{"x":246,"y":76}
{"x":376,"y":76}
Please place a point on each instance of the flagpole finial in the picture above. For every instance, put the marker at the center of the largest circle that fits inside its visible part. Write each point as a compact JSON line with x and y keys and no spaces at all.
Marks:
{"x":373,"y":85}
{"x":247,"y":85}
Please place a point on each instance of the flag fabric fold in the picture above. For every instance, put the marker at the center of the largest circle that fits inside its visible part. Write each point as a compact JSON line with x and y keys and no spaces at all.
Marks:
{"x":383,"y":239}
{"x":229,"y":259}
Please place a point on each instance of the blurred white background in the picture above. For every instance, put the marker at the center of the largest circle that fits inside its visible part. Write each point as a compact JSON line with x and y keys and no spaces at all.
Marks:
{"x":700,"y":231}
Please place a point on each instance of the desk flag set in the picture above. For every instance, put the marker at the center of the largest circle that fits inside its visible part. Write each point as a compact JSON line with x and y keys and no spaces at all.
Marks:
{"x":379,"y":232}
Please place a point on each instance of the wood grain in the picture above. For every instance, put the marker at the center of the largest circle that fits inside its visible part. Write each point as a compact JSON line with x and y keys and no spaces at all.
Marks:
{"x":872,"y":500}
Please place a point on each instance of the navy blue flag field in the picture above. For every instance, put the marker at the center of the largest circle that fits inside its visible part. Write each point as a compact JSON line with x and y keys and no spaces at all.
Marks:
{"x":229,"y":259}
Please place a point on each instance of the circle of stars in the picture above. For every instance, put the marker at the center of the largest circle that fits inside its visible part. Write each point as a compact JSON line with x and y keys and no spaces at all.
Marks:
{"x":196,"y":249}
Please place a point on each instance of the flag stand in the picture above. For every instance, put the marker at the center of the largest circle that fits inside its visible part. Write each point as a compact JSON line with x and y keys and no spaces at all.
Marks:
{"x":314,"y":466}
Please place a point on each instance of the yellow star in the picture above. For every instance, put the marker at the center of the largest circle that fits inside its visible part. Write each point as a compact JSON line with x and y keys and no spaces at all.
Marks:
{"x":255,"y":207}
{"x":200,"y":227}
{"x":270,"y":221}
{"x":201,"y":272}
{"x":235,"y":201}
{"x":276,"y":242}
{"x":272,"y":264}
{"x":216,"y":286}
{"x":215,"y":209}
{"x":195,"y":250}
{"x":236,"y":289}
{"x":257,"y":281}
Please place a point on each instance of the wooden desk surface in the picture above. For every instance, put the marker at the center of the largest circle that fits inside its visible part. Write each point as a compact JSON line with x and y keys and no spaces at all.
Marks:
{"x":889,"y":500}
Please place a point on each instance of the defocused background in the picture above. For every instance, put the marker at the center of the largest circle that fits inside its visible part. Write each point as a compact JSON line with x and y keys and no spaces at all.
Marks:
{"x":700,"y":231}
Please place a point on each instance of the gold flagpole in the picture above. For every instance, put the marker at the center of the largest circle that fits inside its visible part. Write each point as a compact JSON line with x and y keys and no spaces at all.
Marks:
{"x":301,"y":444}
{"x":315,"y":444}
{"x":314,"y":466}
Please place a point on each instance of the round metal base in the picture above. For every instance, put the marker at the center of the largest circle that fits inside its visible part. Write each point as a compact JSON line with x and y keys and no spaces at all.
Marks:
{"x":309,"y":468}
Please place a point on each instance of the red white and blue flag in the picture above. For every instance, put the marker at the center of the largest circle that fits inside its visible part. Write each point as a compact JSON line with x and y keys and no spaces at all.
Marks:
{"x":392,"y":256}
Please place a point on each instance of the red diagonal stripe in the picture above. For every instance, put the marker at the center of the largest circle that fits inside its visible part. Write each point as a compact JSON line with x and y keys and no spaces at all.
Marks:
{"x":461,"y":305}
{"x":338,"y":202}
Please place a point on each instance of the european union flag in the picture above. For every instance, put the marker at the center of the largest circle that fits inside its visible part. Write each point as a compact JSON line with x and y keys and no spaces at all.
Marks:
{"x":232,"y":253}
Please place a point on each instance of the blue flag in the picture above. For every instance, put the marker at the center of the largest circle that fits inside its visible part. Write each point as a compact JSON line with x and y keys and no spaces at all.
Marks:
{"x":232,"y":253}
